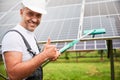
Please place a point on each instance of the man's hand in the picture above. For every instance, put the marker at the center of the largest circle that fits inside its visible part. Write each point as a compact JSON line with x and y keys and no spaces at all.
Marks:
{"x":51,"y":51}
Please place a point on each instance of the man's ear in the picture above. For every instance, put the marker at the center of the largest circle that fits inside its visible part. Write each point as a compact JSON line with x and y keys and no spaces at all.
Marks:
{"x":21,"y":11}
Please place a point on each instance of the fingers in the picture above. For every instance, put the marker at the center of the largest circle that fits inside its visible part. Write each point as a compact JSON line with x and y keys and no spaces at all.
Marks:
{"x":48,"y":41}
{"x":56,"y":56}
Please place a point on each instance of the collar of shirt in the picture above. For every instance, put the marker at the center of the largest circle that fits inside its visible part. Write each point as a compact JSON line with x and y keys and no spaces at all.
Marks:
{"x":23,"y":30}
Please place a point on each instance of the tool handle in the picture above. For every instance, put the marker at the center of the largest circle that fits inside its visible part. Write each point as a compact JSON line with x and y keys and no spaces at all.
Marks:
{"x":69,"y":45}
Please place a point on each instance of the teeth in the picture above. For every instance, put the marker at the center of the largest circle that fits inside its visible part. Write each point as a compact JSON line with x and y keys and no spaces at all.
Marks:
{"x":32,"y":23}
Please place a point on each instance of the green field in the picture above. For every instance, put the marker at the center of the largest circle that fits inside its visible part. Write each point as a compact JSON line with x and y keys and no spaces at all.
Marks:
{"x":2,"y":70}
{"x":95,"y":70}
{"x":82,"y":68}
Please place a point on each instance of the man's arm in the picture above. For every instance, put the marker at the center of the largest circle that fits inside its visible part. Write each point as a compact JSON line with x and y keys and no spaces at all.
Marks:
{"x":18,"y":70}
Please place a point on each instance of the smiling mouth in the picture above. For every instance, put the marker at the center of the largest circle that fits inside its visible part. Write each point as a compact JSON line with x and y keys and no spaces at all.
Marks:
{"x":33,"y":24}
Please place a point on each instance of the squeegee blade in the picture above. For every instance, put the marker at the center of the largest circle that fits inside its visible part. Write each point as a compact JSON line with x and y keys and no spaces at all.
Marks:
{"x":96,"y":31}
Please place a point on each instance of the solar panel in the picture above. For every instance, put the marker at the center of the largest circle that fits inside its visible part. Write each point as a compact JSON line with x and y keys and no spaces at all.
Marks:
{"x":105,"y":14}
{"x":63,"y":19}
{"x":11,"y":18}
{"x":62,"y":2}
{"x":62,"y":22}
{"x":1,"y":14}
{"x":7,"y":4}
{"x":3,"y":30}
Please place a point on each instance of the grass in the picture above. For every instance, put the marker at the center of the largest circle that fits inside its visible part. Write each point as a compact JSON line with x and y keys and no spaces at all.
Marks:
{"x":82,"y":68}
{"x":2,"y":70}
{"x":80,"y":71}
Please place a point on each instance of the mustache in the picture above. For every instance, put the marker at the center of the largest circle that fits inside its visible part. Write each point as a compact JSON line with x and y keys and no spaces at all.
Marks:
{"x":34,"y":22}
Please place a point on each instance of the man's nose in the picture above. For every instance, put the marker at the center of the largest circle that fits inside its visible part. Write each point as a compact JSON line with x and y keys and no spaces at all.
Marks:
{"x":34,"y":19}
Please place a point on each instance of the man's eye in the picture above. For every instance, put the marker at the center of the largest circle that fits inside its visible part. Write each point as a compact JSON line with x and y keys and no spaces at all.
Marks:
{"x":38,"y":15}
{"x":30,"y":14}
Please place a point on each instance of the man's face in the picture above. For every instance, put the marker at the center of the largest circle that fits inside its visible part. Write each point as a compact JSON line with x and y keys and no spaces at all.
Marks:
{"x":30,"y":19}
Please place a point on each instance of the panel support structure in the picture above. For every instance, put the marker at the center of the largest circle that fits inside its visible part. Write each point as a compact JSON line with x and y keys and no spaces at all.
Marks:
{"x":110,"y":53}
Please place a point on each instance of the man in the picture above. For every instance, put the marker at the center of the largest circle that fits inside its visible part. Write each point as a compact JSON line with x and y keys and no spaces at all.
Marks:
{"x":20,"y":64}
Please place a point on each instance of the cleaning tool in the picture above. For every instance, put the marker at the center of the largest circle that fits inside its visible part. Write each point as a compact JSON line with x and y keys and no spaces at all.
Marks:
{"x":69,"y":45}
{"x":92,"y":32}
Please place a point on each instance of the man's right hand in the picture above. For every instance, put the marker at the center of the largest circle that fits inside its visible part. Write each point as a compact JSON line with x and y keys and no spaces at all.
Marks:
{"x":50,"y":51}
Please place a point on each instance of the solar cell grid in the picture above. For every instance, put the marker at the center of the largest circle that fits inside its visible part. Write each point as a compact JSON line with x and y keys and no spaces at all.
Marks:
{"x":96,"y":0}
{"x":53,"y":3}
{"x":79,"y":47}
{"x":110,"y":23}
{"x":1,"y":14}
{"x":90,"y":47}
{"x":106,"y":8}
{"x":63,"y":19}
{"x":111,"y":8}
{"x":17,"y":8}
{"x":63,"y":12}
{"x":4,"y":30}
{"x":116,"y":44}
{"x":7,"y":4}
{"x":117,"y":4}
{"x":11,"y":18}
{"x":101,"y":47}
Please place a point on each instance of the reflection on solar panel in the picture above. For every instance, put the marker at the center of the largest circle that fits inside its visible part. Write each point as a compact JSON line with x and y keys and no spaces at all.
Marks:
{"x":63,"y":19}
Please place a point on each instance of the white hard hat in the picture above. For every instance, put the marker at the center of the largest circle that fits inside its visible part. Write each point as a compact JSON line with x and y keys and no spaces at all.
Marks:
{"x":35,"y":5}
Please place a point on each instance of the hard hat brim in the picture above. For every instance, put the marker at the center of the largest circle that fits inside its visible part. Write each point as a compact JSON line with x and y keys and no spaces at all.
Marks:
{"x":34,"y":8}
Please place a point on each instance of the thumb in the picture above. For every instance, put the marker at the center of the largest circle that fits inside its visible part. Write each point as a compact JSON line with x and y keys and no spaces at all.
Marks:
{"x":48,"y":41}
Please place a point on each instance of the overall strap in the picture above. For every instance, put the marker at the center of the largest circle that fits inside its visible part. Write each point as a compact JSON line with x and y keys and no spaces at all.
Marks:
{"x":29,"y":49}
{"x":37,"y":45}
